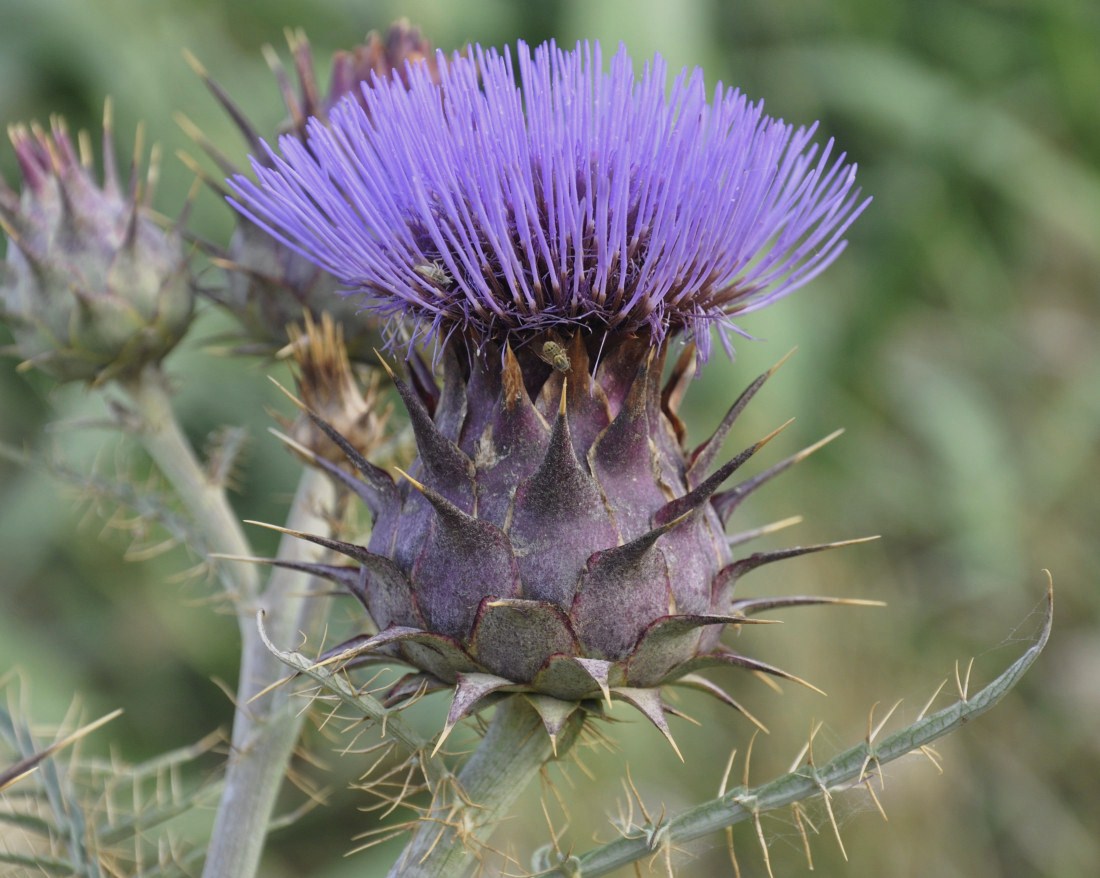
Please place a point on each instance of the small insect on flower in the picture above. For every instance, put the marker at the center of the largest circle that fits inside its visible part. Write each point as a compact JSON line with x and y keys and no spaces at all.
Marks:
{"x":553,"y":352}
{"x":434,"y":273}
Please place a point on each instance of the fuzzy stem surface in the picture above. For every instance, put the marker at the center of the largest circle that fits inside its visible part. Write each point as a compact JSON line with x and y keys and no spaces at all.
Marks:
{"x":266,"y":728}
{"x":159,"y":431}
{"x":450,"y":838}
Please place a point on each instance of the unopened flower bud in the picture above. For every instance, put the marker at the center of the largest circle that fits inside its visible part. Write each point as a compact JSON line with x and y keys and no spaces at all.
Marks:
{"x":268,"y":285}
{"x":93,"y":288}
{"x":382,"y":56}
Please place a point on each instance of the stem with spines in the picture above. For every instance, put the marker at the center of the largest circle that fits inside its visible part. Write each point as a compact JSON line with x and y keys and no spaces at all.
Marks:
{"x":159,"y":432}
{"x":265,"y":728}
{"x":447,"y":841}
{"x":852,"y":766}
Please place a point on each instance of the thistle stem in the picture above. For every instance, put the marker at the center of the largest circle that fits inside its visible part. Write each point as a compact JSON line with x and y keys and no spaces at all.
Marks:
{"x":265,"y":728}
{"x":205,"y":501}
{"x":451,"y":837}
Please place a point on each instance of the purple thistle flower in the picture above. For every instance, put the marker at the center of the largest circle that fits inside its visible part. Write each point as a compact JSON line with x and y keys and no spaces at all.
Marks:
{"x":556,"y":536}
{"x":577,"y":199}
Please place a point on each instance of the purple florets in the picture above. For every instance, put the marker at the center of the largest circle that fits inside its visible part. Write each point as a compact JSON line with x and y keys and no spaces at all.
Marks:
{"x":578,"y":198}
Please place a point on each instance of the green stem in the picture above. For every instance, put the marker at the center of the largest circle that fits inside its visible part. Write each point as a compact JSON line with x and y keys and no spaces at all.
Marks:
{"x":449,"y":840}
{"x":854,"y":765}
{"x":204,"y":500}
{"x":266,"y":728}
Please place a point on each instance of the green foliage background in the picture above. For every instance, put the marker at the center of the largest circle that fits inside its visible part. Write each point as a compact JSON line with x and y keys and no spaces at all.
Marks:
{"x":957,"y":341}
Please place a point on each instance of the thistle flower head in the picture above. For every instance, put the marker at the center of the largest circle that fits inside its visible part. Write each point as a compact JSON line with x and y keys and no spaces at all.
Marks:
{"x":576,"y":198}
{"x":555,"y":535}
{"x":93,"y":288}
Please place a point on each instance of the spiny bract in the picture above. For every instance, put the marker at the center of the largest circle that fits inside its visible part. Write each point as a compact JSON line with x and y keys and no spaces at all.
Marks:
{"x":555,"y":536}
{"x":93,"y":288}
{"x":267,"y":285}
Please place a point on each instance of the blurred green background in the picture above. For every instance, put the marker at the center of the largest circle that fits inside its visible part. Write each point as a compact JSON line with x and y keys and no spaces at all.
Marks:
{"x":957,"y":340}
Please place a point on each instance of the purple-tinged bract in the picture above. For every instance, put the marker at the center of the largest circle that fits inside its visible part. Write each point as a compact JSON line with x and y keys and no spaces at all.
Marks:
{"x":555,"y":535}
{"x":507,"y":196}
{"x":267,"y":286}
{"x":93,"y":287}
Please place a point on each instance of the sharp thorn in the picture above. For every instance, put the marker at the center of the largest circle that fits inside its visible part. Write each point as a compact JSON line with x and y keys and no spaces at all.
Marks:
{"x":195,"y":64}
{"x":297,"y":402}
{"x":418,"y":485}
{"x":293,"y":444}
{"x":447,"y":729}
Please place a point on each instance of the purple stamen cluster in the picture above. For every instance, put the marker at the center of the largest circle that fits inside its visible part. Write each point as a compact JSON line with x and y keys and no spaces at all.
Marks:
{"x":562,"y":198}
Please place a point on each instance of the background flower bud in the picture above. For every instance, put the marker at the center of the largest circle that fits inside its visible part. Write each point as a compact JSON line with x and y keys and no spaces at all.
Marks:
{"x":267,"y":284}
{"x":93,"y":288}
{"x":329,"y":385}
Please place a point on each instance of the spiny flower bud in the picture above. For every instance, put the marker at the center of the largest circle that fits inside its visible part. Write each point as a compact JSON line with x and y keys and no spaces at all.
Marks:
{"x":267,"y":284}
{"x":93,"y":288}
{"x":556,"y":536}
{"x":381,"y":57}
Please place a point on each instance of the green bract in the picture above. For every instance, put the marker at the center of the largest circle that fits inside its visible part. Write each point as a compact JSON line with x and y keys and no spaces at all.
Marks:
{"x":93,"y":288}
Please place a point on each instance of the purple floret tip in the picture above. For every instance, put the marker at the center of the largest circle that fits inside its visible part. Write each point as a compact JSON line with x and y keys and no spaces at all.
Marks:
{"x":513,"y":193}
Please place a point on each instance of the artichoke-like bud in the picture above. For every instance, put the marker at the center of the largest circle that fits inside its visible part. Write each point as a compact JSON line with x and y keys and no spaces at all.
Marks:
{"x":268,"y":284}
{"x":93,"y":287}
{"x":556,"y":536}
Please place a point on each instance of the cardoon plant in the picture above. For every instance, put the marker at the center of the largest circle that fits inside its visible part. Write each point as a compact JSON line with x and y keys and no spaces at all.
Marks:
{"x":552,"y":239}
{"x":561,"y":243}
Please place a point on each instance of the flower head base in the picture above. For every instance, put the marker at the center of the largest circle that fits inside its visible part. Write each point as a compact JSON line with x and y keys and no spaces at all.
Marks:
{"x":267,"y":285}
{"x":578,"y":199}
{"x":93,"y":288}
{"x":555,"y":535}
{"x":556,"y":538}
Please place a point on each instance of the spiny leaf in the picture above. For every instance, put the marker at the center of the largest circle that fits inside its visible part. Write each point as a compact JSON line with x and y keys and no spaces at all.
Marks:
{"x":25,"y":766}
{"x":147,"y":502}
{"x":746,"y":803}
